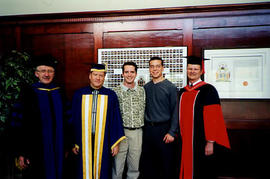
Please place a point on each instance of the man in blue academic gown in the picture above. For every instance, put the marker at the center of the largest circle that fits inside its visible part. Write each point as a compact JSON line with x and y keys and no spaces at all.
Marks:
{"x":97,"y":126}
{"x":40,"y":136}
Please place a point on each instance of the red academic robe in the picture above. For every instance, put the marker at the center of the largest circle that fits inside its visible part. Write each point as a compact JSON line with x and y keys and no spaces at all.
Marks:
{"x":200,"y":120}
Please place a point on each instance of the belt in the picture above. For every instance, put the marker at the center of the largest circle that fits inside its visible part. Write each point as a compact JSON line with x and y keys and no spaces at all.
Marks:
{"x":150,"y":123}
{"x":131,"y":128}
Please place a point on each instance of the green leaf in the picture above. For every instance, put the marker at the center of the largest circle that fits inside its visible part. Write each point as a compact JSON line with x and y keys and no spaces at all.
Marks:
{"x":8,"y":97}
{"x":14,"y":71}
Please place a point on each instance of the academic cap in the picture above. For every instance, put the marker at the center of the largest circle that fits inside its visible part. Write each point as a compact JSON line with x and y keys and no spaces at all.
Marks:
{"x":98,"y":67}
{"x":196,"y":61}
{"x":47,"y":60}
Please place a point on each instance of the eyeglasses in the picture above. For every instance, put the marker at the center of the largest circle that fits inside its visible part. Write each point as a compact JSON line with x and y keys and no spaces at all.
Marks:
{"x":44,"y":71}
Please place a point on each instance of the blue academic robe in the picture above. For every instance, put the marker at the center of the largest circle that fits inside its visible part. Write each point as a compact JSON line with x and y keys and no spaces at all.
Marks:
{"x":96,"y":162}
{"x":40,"y":131}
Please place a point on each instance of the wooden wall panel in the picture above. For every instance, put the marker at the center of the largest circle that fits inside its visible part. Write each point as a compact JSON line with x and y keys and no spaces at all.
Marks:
{"x":249,"y":156}
{"x":232,"y":21}
{"x":75,"y":39}
{"x":75,"y":53}
{"x":160,"y":24}
{"x":143,"y":39}
{"x":246,"y":114}
{"x":40,"y":44}
{"x":79,"y":54}
{"x":67,"y":28}
{"x":248,"y":121}
{"x":47,"y":44}
{"x":236,"y":32}
{"x":7,"y":40}
{"x":232,"y":31}
{"x":247,"y":109}
{"x":235,"y":37}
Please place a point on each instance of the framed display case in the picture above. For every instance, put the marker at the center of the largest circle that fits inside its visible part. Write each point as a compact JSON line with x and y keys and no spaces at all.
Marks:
{"x":174,"y":63}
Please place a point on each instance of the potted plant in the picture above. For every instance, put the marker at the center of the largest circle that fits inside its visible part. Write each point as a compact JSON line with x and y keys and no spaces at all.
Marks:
{"x":15,"y":70}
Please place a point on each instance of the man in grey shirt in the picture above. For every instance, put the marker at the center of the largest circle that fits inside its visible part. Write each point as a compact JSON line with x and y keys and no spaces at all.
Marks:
{"x":132,"y":103}
{"x":161,"y":125}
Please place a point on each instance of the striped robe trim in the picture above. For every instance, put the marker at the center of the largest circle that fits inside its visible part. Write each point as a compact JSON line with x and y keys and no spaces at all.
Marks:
{"x":186,"y":118}
{"x":90,"y":167}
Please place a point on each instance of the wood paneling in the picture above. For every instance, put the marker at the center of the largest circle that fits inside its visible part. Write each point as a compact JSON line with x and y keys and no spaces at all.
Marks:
{"x":79,"y":53}
{"x":232,"y":21}
{"x":249,"y":154}
{"x":74,"y":39}
{"x":38,"y":29}
{"x":232,"y":37}
{"x":47,"y":44}
{"x":251,"y":31}
{"x":75,"y":53}
{"x":143,"y":39}
{"x":7,"y":39}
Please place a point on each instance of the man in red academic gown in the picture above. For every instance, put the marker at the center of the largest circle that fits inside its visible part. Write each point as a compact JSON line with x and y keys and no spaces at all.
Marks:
{"x":201,"y":124}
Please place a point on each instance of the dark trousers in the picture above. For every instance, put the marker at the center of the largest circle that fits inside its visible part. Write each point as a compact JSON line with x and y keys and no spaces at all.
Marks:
{"x":158,"y":160}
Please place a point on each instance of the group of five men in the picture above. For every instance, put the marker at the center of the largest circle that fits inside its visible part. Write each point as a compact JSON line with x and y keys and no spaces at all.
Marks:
{"x":133,"y":125}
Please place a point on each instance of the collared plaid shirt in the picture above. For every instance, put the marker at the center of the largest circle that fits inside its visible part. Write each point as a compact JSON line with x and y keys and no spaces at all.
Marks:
{"x":132,"y":104}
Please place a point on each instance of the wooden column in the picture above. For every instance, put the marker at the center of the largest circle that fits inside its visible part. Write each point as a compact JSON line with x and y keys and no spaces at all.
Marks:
{"x":98,"y":39}
{"x":188,"y":33}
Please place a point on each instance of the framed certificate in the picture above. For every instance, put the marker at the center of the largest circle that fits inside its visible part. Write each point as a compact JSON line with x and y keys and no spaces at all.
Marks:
{"x":239,"y":73}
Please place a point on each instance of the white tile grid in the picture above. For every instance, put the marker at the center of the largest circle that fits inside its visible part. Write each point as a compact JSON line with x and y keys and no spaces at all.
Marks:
{"x":174,"y":63}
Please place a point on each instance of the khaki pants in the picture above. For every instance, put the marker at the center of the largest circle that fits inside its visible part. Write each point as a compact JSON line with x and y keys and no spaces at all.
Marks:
{"x":130,"y":151}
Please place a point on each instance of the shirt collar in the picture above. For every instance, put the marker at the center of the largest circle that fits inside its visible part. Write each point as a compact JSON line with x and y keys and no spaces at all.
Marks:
{"x":199,"y":80}
{"x":92,"y":89}
{"x":126,"y":88}
{"x":42,"y":85}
